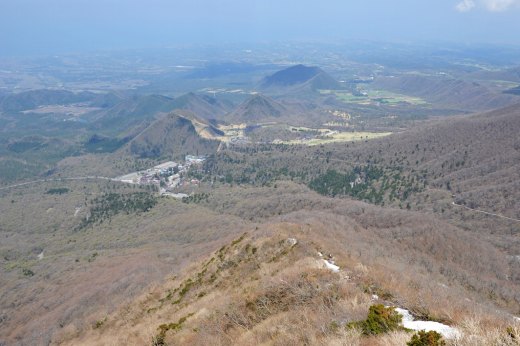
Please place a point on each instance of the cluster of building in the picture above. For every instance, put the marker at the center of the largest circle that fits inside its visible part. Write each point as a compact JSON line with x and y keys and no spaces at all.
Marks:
{"x":168,"y":176}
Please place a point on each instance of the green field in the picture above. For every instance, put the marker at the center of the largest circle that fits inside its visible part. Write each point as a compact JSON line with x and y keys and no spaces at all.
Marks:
{"x":375,"y":97}
{"x":339,"y":137}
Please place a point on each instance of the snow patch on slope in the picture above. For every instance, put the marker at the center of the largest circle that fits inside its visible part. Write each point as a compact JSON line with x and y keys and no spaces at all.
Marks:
{"x":331,"y":266}
{"x":445,"y":330}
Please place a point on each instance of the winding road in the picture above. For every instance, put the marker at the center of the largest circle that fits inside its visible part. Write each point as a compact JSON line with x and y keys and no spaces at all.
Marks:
{"x":113,"y":179}
{"x":485,"y":212}
{"x":57,"y":179}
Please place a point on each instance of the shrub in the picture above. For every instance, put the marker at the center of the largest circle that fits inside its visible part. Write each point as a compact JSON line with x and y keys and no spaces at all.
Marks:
{"x":380,"y":320}
{"x":57,"y":191}
{"x":27,"y":272}
{"x":423,"y":338}
{"x":159,"y":339}
{"x":99,"y":323}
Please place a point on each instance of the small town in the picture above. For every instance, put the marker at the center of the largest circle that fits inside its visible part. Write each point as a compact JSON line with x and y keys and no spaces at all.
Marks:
{"x":169,"y":177}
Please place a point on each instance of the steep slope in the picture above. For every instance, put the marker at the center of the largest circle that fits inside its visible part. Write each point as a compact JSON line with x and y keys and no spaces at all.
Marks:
{"x":257,"y":108}
{"x":54,"y":276}
{"x":171,"y":136}
{"x":477,"y":158}
{"x":275,"y":288}
{"x":203,"y":106}
{"x":471,"y":160}
{"x":304,"y":276}
{"x":300,"y":77}
{"x":130,"y":112}
{"x":447,"y":92}
{"x":203,"y":127}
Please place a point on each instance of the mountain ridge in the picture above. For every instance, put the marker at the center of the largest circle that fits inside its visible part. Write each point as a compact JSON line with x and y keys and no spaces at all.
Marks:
{"x":257,"y":108}
{"x":300,"y":76}
{"x":173,"y":135}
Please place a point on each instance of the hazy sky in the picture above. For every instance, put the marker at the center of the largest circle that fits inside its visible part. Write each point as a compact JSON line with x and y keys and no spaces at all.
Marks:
{"x":52,"y":26}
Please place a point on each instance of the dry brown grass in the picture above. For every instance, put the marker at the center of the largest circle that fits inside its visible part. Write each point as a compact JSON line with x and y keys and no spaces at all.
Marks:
{"x":390,"y":339}
{"x":281,"y":295}
{"x":72,"y":289}
{"x":405,"y":258}
{"x":476,"y":332}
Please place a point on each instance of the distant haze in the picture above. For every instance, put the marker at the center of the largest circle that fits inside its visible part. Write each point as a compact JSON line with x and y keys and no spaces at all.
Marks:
{"x":57,"y":26}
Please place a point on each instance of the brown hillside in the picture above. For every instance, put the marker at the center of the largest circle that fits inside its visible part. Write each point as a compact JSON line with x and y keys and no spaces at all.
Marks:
{"x":270,"y":285}
{"x":171,"y":136}
{"x":476,"y":157}
{"x":204,"y":106}
{"x":256,"y":109}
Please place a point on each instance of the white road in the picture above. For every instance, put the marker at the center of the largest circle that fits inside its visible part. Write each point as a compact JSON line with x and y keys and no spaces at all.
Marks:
{"x":113,"y":179}
{"x":57,"y":179}
{"x":485,"y":212}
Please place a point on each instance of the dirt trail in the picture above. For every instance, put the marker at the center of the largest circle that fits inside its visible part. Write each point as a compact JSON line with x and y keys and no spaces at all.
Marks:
{"x":56,"y":179}
{"x":485,"y":212}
